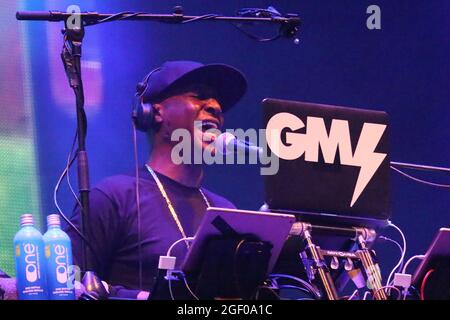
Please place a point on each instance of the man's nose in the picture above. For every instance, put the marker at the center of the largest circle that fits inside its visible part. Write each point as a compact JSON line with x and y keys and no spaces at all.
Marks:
{"x":212,"y":106}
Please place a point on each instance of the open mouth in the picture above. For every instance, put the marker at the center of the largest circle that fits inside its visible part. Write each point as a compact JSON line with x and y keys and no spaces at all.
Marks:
{"x":206,"y":125}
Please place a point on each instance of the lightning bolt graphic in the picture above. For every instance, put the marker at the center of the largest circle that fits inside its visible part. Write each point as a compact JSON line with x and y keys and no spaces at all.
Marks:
{"x":365,"y":156}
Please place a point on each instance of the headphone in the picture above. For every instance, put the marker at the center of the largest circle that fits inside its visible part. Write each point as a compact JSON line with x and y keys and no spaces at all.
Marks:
{"x":143,"y":114}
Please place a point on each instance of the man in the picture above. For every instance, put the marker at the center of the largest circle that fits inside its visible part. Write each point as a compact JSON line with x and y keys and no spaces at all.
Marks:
{"x":171,"y":200}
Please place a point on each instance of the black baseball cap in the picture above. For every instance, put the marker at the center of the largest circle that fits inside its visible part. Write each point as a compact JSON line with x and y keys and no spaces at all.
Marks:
{"x":228,"y":82}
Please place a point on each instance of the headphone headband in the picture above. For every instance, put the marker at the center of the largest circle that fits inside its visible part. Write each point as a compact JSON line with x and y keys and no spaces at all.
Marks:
{"x":142,"y":86}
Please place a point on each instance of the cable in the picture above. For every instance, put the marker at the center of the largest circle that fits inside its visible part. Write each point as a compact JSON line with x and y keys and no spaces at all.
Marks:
{"x":419,"y":256}
{"x":55,"y":197}
{"x":72,"y":190}
{"x":138,"y":203}
{"x":55,"y":201}
{"x":235,"y":266}
{"x":169,"y":278}
{"x":399,"y":265}
{"x":353,"y":294}
{"x":424,"y":281}
{"x":433,"y":184}
{"x":189,"y":288}
{"x":130,"y":14}
{"x":115,"y":17}
{"x":289,"y":286}
{"x":177,"y":242}
{"x":306,"y":284}
{"x":396,"y":243}
{"x":402,"y":258}
{"x":169,"y":272}
{"x":366,"y":294}
{"x":405,"y":293}
{"x":68,"y":166}
{"x":389,"y":287}
{"x":254,"y":37}
{"x":204,"y":17}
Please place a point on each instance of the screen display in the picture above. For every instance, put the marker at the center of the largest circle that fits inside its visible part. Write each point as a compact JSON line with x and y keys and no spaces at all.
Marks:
{"x":19,"y":187}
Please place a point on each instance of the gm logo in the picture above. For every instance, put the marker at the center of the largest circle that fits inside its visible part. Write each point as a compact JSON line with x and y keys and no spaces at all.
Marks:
{"x":338,"y":139}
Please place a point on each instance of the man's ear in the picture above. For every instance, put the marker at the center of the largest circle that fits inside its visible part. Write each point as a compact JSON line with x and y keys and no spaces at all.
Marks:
{"x":158,"y":111}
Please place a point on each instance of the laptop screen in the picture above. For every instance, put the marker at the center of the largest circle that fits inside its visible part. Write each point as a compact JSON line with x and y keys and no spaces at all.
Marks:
{"x":333,"y":160}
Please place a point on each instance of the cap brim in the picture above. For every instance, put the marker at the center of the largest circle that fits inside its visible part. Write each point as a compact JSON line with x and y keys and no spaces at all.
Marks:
{"x":228,"y":82}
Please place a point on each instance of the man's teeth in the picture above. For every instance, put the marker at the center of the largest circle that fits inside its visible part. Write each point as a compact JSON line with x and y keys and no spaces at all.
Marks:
{"x":206,"y":125}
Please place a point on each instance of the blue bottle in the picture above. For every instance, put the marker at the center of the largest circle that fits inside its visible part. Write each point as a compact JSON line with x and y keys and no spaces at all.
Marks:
{"x":30,"y":261}
{"x":58,"y":254}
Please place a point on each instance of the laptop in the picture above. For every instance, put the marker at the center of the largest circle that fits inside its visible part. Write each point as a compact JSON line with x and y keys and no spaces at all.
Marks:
{"x":334,"y":162}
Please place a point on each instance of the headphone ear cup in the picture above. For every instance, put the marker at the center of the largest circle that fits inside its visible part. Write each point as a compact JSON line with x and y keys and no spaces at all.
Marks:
{"x":142,"y":114}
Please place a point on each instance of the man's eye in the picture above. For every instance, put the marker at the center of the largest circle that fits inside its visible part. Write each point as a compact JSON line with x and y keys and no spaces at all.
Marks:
{"x":199,"y":96}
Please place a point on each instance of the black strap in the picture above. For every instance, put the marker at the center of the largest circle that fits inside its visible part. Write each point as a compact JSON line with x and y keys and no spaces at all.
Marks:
{"x":224,"y":227}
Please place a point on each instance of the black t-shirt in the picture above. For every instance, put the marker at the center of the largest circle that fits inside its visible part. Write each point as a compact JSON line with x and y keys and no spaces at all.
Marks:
{"x":113,"y":226}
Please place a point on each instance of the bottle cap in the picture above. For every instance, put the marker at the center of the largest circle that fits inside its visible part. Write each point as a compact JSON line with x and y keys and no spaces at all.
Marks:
{"x":26,"y":220}
{"x":53,"y":220}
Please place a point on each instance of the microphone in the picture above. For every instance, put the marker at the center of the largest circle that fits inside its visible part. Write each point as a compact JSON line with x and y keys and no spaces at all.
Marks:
{"x":226,"y":143}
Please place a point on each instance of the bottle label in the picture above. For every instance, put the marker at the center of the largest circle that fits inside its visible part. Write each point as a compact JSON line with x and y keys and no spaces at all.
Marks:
{"x":59,"y":261}
{"x":30,"y":279}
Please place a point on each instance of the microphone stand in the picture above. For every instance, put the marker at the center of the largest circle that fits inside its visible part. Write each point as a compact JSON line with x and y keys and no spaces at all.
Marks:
{"x":289,"y":24}
{"x":71,"y":57}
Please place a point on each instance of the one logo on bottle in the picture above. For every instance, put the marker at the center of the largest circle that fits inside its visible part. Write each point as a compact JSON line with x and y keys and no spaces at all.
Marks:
{"x":31,"y":266}
{"x":61,"y":263}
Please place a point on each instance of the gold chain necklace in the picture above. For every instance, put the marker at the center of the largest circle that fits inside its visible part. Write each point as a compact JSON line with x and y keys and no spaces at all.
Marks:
{"x":169,"y":203}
